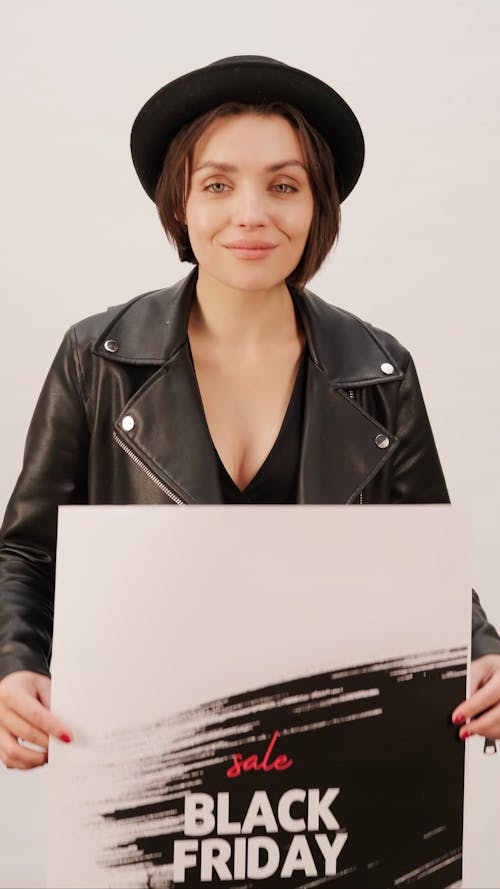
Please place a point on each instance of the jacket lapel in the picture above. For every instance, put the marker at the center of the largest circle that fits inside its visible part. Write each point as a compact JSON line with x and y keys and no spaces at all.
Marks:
{"x":339,"y":439}
{"x":170,"y":433}
{"x":339,"y":450}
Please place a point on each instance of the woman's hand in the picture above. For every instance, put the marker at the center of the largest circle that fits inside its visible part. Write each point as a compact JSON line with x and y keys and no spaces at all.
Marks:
{"x":484,"y":699}
{"x":25,"y":714}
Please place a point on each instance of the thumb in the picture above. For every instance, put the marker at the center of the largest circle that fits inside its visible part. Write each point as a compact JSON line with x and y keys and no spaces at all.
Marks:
{"x":476,"y":675}
{"x":480,"y":672}
{"x":43,"y":687}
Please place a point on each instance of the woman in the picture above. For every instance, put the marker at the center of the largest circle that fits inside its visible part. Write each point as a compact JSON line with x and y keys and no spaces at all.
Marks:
{"x":236,"y":384}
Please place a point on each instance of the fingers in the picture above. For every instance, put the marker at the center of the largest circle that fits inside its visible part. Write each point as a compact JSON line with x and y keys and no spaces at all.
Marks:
{"x":35,"y":713}
{"x":485,"y":697}
{"x":15,"y":756}
{"x":20,"y":728}
{"x":23,"y":715}
{"x":19,"y":695}
{"x":481,"y":710}
{"x":487,"y":725}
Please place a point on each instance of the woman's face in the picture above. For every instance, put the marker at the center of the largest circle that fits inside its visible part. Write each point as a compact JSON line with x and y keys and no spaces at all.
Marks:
{"x":249,"y":185}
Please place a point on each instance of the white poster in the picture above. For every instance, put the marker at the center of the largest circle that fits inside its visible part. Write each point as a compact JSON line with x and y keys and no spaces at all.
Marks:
{"x":260,"y":696}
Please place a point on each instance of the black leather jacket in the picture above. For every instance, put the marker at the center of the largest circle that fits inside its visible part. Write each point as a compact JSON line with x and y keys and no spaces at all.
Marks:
{"x":120,"y":420}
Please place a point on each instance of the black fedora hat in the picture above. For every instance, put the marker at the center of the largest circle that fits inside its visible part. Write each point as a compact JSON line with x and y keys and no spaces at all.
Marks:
{"x":250,"y":79}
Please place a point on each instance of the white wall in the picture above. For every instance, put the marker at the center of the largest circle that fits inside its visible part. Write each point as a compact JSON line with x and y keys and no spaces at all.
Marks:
{"x":418,"y":252}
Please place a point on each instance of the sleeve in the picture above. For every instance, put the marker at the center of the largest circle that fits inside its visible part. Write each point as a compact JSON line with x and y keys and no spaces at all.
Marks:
{"x":54,"y":472}
{"x":418,"y":478}
{"x":417,"y":475}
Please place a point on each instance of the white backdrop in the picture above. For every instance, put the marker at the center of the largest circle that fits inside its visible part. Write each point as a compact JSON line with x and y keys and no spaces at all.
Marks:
{"x":417,"y":252}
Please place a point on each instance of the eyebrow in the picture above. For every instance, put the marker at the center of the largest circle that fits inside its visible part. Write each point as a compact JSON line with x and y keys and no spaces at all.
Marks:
{"x":230,"y":168}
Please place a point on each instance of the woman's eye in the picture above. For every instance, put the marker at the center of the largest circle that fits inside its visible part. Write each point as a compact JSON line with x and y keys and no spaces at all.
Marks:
{"x":215,"y":189}
{"x":283,"y":185}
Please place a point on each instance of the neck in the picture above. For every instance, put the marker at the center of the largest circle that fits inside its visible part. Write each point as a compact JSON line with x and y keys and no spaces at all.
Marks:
{"x":246,"y":321}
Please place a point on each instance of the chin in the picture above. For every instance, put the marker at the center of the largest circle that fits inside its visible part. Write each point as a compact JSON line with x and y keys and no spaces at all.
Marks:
{"x":251,"y":281}
{"x":251,"y":276}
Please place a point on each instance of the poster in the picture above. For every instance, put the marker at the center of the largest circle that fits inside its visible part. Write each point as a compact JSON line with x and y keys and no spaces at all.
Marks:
{"x":260,"y":696}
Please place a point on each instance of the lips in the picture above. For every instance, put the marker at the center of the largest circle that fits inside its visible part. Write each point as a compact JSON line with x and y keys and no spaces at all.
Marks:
{"x":251,"y":253}
{"x":251,"y":245}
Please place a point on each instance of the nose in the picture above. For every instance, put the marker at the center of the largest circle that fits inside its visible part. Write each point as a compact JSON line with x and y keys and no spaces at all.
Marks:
{"x":250,"y":207}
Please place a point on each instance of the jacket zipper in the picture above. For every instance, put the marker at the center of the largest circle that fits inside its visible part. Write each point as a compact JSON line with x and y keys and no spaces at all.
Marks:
{"x":351,"y":395}
{"x":154,"y":478}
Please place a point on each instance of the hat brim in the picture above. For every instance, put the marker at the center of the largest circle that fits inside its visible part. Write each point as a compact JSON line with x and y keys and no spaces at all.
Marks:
{"x":252,"y":80}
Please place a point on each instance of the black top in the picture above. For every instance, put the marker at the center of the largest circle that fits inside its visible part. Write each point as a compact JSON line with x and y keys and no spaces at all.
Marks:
{"x":276,"y":480}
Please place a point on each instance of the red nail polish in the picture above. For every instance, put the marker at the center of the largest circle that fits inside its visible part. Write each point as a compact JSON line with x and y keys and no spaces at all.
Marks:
{"x":458,"y":719}
{"x":65,"y":738}
{"x":466,"y":734}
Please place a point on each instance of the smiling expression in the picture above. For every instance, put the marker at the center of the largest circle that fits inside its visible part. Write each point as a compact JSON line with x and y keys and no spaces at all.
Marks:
{"x":250,"y":204}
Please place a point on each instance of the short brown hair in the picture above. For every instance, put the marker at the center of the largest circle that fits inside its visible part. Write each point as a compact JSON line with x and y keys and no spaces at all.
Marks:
{"x":325,"y":224}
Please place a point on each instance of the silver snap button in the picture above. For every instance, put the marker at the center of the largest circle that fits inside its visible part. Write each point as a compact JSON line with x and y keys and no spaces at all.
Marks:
{"x":128,"y":423}
{"x":111,"y":346}
{"x":382,"y":441}
{"x":386,"y":368}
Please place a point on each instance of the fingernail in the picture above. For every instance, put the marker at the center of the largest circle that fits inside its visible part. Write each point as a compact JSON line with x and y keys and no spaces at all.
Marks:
{"x":466,"y":734}
{"x":65,"y":738}
{"x":458,"y":719}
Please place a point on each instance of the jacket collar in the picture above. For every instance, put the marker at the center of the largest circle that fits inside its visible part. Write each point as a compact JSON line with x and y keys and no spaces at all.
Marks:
{"x":339,"y":452}
{"x":152,"y":327}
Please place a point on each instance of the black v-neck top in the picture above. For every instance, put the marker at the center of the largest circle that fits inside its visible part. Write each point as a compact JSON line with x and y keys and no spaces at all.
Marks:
{"x":276,"y":480}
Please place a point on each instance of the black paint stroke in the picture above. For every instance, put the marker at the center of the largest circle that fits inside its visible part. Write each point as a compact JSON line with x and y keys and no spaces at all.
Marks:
{"x":381,"y":732}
